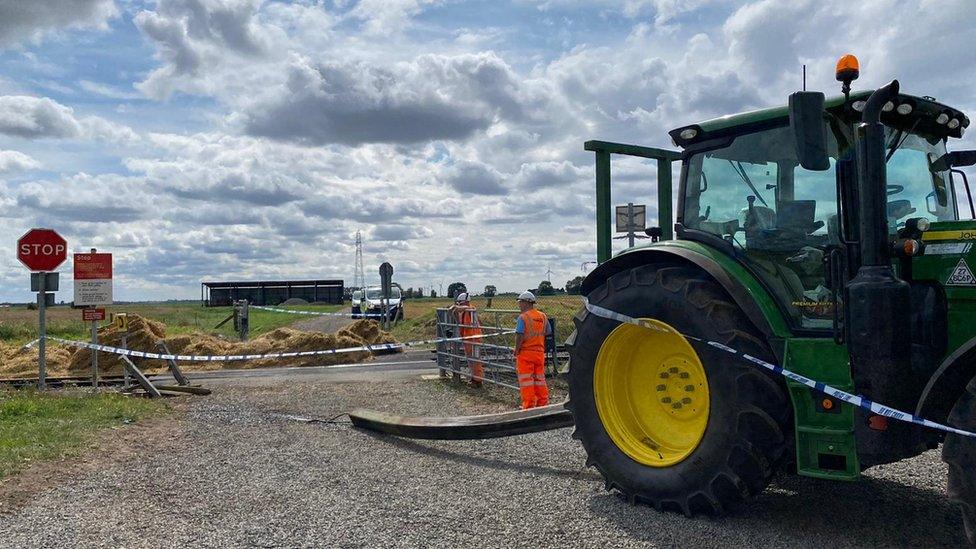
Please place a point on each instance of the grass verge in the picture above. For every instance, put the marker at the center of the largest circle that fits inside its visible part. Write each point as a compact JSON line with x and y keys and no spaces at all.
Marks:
{"x":38,"y":426}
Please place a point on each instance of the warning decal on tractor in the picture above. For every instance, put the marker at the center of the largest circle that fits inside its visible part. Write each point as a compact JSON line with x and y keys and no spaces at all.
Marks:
{"x":961,"y":275}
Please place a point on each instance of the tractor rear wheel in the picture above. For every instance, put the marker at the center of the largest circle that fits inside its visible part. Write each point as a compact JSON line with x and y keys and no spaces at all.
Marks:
{"x":682,"y":428}
{"x":960,"y":454}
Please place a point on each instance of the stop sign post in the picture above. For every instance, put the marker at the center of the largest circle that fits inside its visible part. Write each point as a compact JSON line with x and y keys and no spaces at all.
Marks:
{"x":42,"y":251}
{"x":386,"y":286}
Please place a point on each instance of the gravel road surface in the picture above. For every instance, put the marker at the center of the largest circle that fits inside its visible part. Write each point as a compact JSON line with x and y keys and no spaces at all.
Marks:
{"x":234,"y":471}
{"x":326,"y":324}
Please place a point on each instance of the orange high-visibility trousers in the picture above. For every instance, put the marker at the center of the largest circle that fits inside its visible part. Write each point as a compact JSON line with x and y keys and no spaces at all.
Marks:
{"x":473,"y":352}
{"x":531,"y":369}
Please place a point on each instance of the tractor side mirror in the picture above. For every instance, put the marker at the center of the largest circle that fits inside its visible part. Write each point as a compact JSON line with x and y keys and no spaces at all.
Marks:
{"x":809,"y":132}
{"x":953,"y":159}
{"x":962,"y":158}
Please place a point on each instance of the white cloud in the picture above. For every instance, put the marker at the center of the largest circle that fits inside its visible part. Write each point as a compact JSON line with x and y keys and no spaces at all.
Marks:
{"x":398,"y":233}
{"x":385,"y":17}
{"x":427,"y":131}
{"x":34,"y":117}
{"x":194,"y":38}
{"x":30,"y":19}
{"x":107,"y":91}
{"x":40,"y":117}
{"x":475,"y":178}
{"x":15,"y":161}
{"x":537,"y":175}
{"x":434,"y":97}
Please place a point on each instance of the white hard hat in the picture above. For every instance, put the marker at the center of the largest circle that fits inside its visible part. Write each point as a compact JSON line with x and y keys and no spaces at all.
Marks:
{"x":462,"y":297}
{"x":526,"y":296}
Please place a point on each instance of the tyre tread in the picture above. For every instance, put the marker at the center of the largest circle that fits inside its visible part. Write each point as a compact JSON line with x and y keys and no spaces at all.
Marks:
{"x":959,"y":453}
{"x":751,"y":464}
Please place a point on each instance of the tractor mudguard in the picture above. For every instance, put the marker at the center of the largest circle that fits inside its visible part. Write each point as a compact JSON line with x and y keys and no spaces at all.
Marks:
{"x":744,"y":289}
{"x":948,"y":383}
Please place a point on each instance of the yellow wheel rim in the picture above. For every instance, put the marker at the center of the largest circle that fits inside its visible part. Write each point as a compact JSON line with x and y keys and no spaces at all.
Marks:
{"x":651,"y":393}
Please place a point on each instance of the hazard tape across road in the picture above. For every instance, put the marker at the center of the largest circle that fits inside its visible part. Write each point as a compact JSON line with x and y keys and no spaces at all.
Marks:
{"x":856,"y":400}
{"x":315,"y":313}
{"x":290,"y":354}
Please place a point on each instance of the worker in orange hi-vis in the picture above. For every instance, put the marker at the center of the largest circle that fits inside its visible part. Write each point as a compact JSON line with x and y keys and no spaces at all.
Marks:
{"x":531,"y":330}
{"x":466,"y":317}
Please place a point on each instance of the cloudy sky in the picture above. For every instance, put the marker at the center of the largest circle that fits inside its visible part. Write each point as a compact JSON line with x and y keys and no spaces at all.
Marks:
{"x":217,"y":139}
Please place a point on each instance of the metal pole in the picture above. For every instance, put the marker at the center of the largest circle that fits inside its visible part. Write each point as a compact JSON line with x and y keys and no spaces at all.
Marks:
{"x":125,"y":345}
{"x":603,"y":242}
{"x":664,"y":198}
{"x":94,"y":353}
{"x":630,"y":224}
{"x":42,"y":332}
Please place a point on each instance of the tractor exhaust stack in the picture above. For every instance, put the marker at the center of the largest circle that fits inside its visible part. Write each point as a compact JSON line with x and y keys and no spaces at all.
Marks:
{"x":879,"y":338}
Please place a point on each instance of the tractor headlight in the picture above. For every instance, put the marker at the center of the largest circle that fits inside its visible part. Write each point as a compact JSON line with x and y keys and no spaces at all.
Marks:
{"x":953,"y":124}
{"x":888,"y":107}
{"x":859,"y":105}
{"x":688,"y":134}
{"x":905,"y":108}
{"x":942,"y":118}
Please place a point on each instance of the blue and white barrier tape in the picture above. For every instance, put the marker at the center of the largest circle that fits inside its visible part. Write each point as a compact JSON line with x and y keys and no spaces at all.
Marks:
{"x":315,"y":313}
{"x":293,"y":354}
{"x":856,"y":400}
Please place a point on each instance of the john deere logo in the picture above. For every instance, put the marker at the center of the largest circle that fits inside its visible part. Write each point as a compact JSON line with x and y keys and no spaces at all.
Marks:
{"x":961,"y":275}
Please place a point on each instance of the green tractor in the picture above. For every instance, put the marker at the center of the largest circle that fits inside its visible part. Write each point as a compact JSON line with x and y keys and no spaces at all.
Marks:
{"x":824,"y":237}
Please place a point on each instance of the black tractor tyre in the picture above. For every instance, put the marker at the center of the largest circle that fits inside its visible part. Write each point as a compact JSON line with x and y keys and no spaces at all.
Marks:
{"x":959,"y":453}
{"x":749,"y":433}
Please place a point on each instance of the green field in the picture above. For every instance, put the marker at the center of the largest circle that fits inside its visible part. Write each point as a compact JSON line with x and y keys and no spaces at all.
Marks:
{"x":420,"y":316}
{"x":19,"y":325}
{"x":42,"y":426}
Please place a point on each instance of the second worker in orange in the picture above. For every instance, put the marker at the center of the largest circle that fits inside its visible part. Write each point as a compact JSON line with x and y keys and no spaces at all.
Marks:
{"x":531,"y":330}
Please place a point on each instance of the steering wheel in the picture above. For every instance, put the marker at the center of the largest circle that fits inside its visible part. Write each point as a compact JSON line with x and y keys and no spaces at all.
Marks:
{"x":894,"y":189}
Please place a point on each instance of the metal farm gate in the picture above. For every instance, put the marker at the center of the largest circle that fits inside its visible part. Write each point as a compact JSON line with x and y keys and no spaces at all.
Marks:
{"x":496,"y":353}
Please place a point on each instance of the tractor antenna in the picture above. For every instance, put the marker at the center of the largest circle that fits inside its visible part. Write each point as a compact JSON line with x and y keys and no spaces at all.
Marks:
{"x":804,"y":77}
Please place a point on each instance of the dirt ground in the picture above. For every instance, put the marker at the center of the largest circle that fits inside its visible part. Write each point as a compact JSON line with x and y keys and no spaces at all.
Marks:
{"x":237,"y":469}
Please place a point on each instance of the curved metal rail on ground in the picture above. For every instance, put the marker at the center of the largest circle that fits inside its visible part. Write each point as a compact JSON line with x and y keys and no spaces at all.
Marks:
{"x":506,"y":424}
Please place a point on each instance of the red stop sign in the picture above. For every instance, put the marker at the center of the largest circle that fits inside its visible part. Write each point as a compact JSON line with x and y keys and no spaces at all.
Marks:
{"x":42,"y":250}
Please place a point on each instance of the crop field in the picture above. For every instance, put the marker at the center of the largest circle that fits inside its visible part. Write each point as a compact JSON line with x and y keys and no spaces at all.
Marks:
{"x":18,"y":325}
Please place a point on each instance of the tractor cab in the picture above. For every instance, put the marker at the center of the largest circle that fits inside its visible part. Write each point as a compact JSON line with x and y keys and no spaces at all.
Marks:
{"x":743,"y":184}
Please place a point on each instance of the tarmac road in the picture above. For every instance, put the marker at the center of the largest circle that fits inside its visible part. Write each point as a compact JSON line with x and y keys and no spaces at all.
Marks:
{"x":234,"y":471}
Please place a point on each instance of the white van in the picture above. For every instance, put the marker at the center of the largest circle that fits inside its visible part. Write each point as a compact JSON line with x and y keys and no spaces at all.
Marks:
{"x":370,"y":302}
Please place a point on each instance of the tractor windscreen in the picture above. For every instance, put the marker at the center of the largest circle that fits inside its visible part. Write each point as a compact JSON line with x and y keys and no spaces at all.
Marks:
{"x":917,"y":186}
{"x":754,"y":194}
{"x":782,"y":218}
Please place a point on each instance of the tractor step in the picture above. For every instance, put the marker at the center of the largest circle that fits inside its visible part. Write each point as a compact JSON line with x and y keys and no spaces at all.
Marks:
{"x":825,"y":446}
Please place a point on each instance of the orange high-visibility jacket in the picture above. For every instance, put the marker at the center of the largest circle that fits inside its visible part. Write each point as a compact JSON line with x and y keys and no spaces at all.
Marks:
{"x":536,"y":325}
{"x":469,"y":322}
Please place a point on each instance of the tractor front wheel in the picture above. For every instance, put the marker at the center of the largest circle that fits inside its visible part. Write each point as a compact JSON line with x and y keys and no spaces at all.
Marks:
{"x":959,"y":453}
{"x":681,"y":427}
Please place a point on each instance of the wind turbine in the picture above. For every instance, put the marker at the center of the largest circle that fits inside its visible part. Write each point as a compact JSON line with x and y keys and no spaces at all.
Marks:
{"x":549,"y":273}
